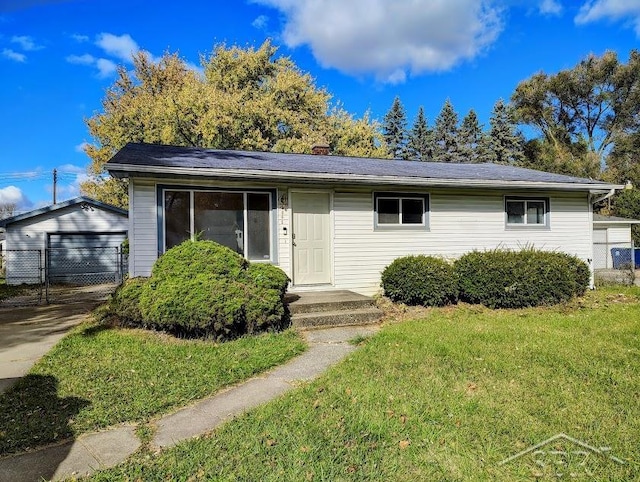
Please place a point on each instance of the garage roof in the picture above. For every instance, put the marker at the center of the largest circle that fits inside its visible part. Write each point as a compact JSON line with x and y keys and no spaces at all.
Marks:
{"x":54,"y":207}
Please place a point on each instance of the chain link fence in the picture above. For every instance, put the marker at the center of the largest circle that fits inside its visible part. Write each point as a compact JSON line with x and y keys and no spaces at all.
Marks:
{"x":61,"y":275}
{"x":615,"y":262}
{"x":22,"y":271}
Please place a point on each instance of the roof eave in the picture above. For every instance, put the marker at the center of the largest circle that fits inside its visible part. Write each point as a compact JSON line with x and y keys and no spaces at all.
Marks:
{"x":126,"y":170}
{"x":54,"y":207}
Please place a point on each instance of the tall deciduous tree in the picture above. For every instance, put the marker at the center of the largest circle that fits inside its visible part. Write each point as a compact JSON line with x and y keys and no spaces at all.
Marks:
{"x":394,"y":130}
{"x":245,"y":99}
{"x":445,"y":135}
{"x":421,"y":139}
{"x":596,"y":102}
{"x":505,"y":142}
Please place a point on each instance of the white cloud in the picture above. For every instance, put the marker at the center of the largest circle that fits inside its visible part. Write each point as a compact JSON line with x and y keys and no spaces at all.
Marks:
{"x":122,"y":47}
{"x":612,"y":10}
{"x":384,"y":37}
{"x":26,"y":43}
{"x":81,"y":147}
{"x":13,"y":195}
{"x":260,"y":22}
{"x":71,"y":177}
{"x":85,"y":59}
{"x":13,"y":55}
{"x":79,"y":38}
{"x":550,"y":7}
{"x":106,"y":67}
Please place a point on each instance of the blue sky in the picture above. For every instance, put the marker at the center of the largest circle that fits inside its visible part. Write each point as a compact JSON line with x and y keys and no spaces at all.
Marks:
{"x":57,"y":57}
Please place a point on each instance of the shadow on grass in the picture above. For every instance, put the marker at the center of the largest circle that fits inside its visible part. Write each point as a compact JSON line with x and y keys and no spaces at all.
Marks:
{"x":32,"y":414}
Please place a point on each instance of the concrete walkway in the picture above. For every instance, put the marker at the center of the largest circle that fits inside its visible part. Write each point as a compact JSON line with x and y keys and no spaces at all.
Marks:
{"x":111,"y":447}
{"x":28,"y":332}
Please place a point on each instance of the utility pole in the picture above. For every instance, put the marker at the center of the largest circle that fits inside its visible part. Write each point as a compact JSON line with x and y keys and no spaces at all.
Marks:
{"x":55,"y":183}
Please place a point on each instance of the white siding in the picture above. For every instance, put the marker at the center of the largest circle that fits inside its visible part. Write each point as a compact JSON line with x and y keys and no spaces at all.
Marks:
{"x":459,"y":222}
{"x":143,"y":236}
{"x":31,"y":234}
{"x":619,"y":234}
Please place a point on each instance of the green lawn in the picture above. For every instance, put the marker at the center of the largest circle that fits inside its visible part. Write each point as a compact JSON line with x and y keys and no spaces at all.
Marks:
{"x":446,"y":396}
{"x":99,"y":376}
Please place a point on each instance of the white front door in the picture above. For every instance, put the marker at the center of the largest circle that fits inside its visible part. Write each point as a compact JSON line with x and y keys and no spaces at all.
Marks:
{"x":311,"y":238}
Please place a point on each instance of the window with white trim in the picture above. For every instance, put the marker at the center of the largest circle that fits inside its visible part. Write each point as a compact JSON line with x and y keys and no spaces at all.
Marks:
{"x":526,"y":211}
{"x":240,"y":220}
{"x":401,"y":210}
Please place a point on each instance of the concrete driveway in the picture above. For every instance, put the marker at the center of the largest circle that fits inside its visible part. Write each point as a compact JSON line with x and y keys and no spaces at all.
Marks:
{"x":28,"y":332}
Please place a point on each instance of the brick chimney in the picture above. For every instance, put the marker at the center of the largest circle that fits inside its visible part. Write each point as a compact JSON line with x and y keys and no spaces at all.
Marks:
{"x":320,"y":149}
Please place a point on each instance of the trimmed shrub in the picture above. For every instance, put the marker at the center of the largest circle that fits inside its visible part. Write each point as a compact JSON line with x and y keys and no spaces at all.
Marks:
{"x":203,"y":289}
{"x":420,"y":280}
{"x":503,"y":278}
{"x":264,"y":310}
{"x":196,"y":257}
{"x":203,"y":306}
{"x":268,"y":276}
{"x":125,"y":302}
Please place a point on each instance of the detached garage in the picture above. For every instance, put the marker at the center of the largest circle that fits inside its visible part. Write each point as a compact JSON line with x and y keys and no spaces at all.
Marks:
{"x":77,"y":242}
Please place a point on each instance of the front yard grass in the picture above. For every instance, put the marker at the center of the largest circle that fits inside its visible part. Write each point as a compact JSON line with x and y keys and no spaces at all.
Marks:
{"x":99,"y":376}
{"x":445,"y":396}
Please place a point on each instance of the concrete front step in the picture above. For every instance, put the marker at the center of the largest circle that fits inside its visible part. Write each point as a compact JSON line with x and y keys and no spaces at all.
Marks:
{"x":339,"y":300}
{"x":360,"y":316}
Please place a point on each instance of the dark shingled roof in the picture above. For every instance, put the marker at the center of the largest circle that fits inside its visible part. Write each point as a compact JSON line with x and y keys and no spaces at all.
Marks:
{"x":54,"y":207}
{"x":148,"y":155}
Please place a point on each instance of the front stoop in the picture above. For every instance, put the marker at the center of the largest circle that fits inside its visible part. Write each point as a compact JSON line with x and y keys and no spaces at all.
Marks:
{"x":315,"y":309}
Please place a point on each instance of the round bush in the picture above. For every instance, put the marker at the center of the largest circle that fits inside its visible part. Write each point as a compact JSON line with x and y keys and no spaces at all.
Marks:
{"x":420,"y":280}
{"x":125,"y":302}
{"x":203,"y":289}
{"x":268,"y":276}
{"x":195,"y":257}
{"x":515,"y":279}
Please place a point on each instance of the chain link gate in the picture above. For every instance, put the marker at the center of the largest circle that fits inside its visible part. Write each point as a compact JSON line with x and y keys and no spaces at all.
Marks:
{"x":61,"y":275}
{"x":92,"y":272}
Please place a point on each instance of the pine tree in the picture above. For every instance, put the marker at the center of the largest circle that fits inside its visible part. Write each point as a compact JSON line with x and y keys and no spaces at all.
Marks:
{"x":506,"y":142}
{"x":394,"y":130}
{"x":445,"y":133}
{"x":470,"y":138}
{"x":421,"y":139}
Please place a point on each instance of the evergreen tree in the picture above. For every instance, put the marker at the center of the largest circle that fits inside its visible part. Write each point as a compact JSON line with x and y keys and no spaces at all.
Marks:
{"x":421,"y":139}
{"x":445,"y":134}
{"x":471,"y":138}
{"x":394,"y":130}
{"x":506,"y":142}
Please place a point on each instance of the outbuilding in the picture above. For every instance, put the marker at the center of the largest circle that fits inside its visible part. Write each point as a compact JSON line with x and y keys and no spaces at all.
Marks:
{"x":76,"y":241}
{"x":612,"y":243}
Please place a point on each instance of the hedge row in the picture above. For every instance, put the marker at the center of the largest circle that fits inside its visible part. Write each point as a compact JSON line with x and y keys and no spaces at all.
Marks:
{"x":203,"y":289}
{"x":498,"y":279}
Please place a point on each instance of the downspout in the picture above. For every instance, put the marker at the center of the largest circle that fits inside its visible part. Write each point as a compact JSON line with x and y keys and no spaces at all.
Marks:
{"x":604,"y":196}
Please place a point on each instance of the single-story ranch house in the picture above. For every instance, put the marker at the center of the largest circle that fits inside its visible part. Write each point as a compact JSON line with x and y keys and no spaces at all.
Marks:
{"x":334,"y":222}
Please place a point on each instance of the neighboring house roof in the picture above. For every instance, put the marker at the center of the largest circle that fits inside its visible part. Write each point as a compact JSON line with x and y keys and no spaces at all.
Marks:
{"x":600,"y":219}
{"x":160,"y":160}
{"x":54,"y":207}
